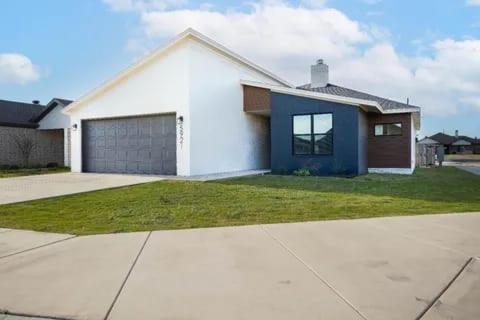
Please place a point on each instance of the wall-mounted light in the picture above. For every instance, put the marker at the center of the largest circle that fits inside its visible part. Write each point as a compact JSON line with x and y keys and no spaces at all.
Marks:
{"x":74,"y":127}
{"x":180,"y":119}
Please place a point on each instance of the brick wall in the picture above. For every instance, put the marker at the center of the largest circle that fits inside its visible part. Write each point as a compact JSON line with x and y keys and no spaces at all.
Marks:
{"x":48,"y":146}
{"x":389,"y":151}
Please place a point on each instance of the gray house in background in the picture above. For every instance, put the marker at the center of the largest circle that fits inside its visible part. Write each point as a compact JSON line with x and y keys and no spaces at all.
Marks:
{"x":456,"y":144}
{"x":32,"y":134}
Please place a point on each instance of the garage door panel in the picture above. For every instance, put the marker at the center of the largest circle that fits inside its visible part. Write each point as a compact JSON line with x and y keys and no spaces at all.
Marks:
{"x":132,"y":141}
{"x":110,"y":142}
{"x":144,"y":145}
{"x":111,"y":155}
{"x":99,"y":165}
{"x":121,"y":155}
{"x":144,"y":142}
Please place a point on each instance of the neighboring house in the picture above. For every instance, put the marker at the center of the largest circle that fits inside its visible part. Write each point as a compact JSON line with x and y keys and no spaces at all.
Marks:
{"x":194,"y":107}
{"x":32,"y":134}
{"x":457,"y":144}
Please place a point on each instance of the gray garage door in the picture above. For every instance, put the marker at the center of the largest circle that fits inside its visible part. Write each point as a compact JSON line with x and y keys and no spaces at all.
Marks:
{"x":141,"y":145}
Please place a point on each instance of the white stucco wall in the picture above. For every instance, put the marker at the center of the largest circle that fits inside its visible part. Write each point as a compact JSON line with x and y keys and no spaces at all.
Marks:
{"x":55,"y":119}
{"x":203,"y":86}
{"x":223,"y":137}
{"x":413,"y":150}
{"x":67,"y":147}
{"x":158,"y":87}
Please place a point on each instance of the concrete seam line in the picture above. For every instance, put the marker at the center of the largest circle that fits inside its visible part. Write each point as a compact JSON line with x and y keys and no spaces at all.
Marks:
{"x":7,"y":313}
{"x":315,"y":273}
{"x":440,"y":294}
{"x":124,"y":282}
{"x":38,"y":247}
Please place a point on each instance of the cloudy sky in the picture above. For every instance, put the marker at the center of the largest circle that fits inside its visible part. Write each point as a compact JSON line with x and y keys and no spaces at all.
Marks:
{"x":427,"y":51}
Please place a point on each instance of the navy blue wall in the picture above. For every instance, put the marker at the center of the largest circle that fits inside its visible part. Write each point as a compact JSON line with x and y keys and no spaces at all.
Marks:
{"x":343,"y":161}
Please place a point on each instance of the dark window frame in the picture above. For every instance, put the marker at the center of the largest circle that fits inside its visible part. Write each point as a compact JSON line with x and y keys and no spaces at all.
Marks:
{"x":388,"y":135}
{"x":312,"y":135}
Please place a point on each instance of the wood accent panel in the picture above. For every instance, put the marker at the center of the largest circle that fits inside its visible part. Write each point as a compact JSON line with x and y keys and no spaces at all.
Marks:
{"x":389,"y":151}
{"x":256,"y":99}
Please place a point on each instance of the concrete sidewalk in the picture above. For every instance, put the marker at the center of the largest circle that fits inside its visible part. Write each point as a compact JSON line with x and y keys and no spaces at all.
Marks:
{"x":386,"y":268}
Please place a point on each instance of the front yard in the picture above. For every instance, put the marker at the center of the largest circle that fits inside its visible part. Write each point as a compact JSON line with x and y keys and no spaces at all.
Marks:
{"x":250,"y":200}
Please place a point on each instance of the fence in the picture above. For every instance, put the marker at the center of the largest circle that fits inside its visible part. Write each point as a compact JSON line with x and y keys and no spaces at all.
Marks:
{"x":425,"y":155}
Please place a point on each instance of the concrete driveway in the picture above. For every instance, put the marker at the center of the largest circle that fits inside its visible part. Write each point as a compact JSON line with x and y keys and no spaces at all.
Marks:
{"x":27,"y":188}
{"x":421,"y":267}
{"x":470,"y":166}
{"x":472,"y":169}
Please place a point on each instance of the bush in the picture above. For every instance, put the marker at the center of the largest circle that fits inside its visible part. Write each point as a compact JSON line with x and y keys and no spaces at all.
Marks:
{"x":52,"y":165}
{"x":14,"y":167}
{"x":302,"y":173}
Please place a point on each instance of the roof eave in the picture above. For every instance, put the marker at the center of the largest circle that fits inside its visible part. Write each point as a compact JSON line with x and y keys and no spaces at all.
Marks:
{"x":371,"y":106}
{"x":19,"y":125}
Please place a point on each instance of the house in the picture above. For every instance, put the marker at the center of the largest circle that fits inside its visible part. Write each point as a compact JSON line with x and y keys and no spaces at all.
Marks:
{"x":32,"y":134}
{"x":194,"y":107}
{"x":457,"y":144}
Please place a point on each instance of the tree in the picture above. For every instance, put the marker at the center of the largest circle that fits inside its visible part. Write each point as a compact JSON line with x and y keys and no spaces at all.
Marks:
{"x":25,"y":144}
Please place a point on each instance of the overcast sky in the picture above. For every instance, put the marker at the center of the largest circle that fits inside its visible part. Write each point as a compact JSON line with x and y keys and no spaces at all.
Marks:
{"x":427,"y":51}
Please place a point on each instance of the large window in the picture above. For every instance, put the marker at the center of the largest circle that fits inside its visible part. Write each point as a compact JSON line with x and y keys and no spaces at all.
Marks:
{"x":313,"y":134}
{"x":388,"y":129}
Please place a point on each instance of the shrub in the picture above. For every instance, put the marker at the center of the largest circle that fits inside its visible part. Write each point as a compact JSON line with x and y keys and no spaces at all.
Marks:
{"x":52,"y":165}
{"x":302,"y":172}
{"x":14,"y":167}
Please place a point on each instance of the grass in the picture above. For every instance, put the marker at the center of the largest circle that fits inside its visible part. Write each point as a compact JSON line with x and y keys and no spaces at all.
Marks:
{"x":9,"y":173}
{"x":249,"y":200}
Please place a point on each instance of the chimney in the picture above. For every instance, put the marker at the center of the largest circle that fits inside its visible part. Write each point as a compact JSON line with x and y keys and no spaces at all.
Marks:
{"x":456,"y":134}
{"x":36,"y":101}
{"x":319,"y":74}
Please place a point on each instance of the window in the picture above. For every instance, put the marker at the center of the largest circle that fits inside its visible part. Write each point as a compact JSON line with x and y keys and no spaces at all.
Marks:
{"x":388,"y":129}
{"x":313,"y":134}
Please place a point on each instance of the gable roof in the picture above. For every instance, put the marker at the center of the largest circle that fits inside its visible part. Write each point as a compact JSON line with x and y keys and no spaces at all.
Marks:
{"x":446,"y":139}
{"x":428,"y":140}
{"x":443,"y":138}
{"x":386,"y":104}
{"x":52,"y":105}
{"x":469,"y":139}
{"x":462,"y":142}
{"x":20,"y":114}
{"x":187,"y":34}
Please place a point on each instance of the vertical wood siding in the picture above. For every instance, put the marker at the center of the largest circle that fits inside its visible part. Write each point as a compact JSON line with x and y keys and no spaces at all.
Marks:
{"x":389,"y":151}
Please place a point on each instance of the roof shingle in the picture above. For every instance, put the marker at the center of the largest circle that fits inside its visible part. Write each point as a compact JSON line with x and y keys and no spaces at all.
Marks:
{"x":332,"y":89}
{"x":19,"y":114}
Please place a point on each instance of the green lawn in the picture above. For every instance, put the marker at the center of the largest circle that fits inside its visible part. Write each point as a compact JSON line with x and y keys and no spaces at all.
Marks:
{"x":9,"y":173}
{"x":250,"y":200}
